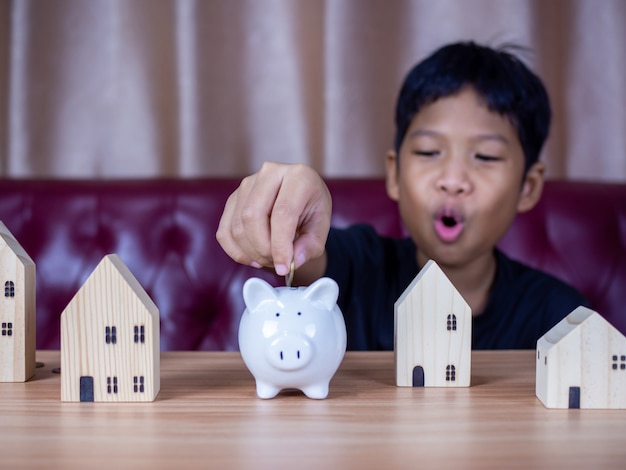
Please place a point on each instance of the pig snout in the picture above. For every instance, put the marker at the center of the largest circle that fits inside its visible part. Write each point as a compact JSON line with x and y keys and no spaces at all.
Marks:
{"x":291,"y":351}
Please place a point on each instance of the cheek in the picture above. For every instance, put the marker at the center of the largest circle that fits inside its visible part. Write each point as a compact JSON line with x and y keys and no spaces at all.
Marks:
{"x":414,"y":196}
{"x":500,"y":215}
{"x":500,"y":189}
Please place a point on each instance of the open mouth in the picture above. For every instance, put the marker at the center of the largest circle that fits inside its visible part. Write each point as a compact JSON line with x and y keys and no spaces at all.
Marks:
{"x":448,"y":226}
{"x":448,"y":221}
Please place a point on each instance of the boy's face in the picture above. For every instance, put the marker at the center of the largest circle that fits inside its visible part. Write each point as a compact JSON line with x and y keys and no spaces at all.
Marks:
{"x":459,"y":179}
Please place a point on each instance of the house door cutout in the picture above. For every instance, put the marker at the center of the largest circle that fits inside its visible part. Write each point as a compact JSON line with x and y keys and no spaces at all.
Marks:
{"x":418,"y":376}
{"x":86,"y":388}
{"x":574,"y":397}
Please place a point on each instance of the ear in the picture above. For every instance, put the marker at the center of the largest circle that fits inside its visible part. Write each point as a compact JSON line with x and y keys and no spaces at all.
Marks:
{"x":324,"y":290}
{"x":255,"y":291}
{"x":392,"y":175}
{"x":531,"y":188}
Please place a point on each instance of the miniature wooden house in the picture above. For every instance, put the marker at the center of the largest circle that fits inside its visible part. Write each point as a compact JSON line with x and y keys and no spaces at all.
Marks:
{"x":433,"y":333}
{"x":17,"y":310}
{"x":581,"y":363}
{"x":110,"y":347}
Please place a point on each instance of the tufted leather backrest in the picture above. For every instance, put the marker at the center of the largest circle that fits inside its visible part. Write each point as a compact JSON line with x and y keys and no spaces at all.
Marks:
{"x":577,"y":232}
{"x":164,"y":230}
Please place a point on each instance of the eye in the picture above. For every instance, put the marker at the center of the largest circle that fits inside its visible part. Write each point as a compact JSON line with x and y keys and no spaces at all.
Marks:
{"x":299,"y":313}
{"x":277,"y":314}
{"x":487,"y":158}
{"x":426,"y":153}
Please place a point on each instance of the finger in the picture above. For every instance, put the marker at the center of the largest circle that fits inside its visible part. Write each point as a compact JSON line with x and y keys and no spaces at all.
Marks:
{"x":310,"y":242}
{"x":229,"y":235}
{"x":283,"y":226}
{"x":301,"y":209}
{"x":238,"y":229}
{"x":253,"y":226}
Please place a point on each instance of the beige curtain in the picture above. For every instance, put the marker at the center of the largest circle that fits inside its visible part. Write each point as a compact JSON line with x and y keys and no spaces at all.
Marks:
{"x":150,"y":88}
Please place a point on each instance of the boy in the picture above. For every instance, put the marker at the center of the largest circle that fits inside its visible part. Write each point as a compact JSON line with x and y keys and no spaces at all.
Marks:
{"x":470,"y":124}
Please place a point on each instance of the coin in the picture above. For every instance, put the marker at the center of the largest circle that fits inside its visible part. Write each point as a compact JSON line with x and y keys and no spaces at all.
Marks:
{"x":289,"y":277}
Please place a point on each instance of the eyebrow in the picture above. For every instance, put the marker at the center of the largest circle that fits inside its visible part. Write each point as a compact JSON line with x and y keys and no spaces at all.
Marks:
{"x":429,"y":133}
{"x":496,"y":137}
{"x":423,"y":132}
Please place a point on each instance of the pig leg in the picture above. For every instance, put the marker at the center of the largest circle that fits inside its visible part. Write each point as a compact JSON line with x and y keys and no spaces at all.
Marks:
{"x":317,"y":391}
{"x":265,"y":390}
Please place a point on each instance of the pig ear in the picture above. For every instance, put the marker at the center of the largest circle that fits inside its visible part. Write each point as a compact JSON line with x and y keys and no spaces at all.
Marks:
{"x":255,"y":291}
{"x":325,"y":291}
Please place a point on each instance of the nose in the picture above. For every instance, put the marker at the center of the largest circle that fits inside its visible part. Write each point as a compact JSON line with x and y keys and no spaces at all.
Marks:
{"x":454,"y":180}
{"x":292,"y":351}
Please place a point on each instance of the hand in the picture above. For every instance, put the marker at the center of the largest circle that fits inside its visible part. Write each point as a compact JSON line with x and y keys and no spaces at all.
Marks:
{"x":280,"y":213}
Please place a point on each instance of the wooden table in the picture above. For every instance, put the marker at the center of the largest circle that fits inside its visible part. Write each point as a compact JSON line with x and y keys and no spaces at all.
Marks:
{"x":208,"y":416}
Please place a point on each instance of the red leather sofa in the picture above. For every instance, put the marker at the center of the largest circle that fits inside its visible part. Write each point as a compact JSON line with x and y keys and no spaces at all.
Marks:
{"x":164,"y":230}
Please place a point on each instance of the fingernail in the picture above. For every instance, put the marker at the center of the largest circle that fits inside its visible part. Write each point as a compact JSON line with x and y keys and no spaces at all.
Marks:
{"x":254,"y":264}
{"x":281,"y":269}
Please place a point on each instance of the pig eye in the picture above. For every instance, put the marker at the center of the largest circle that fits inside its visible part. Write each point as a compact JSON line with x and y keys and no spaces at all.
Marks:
{"x":299,"y":313}
{"x":277,"y":314}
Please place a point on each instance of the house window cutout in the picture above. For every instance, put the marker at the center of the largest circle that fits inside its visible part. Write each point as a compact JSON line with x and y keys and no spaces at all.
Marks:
{"x":9,"y":289}
{"x":112,"y":384}
{"x":140,"y":334}
{"x":7,"y":329}
{"x":138,"y":384}
{"x":451,"y":323}
{"x":619,"y":362}
{"x":450,"y":373}
{"x":110,"y":333}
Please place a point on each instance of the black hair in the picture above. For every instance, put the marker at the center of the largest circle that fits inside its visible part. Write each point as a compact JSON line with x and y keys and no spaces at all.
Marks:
{"x":505,"y":83}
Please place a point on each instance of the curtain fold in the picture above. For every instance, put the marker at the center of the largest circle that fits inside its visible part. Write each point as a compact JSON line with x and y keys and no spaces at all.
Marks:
{"x":189,"y":88}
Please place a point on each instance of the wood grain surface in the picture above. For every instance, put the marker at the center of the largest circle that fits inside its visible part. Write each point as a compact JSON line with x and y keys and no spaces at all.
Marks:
{"x":207,"y":415}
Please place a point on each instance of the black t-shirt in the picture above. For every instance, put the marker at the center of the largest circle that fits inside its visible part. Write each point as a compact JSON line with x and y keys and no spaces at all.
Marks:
{"x":373,"y":271}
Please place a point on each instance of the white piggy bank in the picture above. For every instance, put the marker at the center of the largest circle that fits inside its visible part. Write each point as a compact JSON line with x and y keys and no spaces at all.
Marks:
{"x":292,"y":337}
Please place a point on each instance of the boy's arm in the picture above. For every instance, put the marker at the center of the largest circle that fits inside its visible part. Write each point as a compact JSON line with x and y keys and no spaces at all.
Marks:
{"x":280,"y":213}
